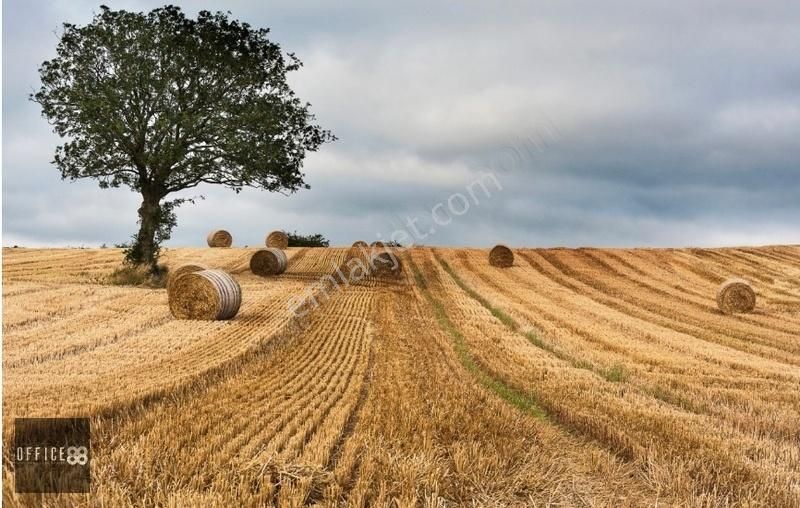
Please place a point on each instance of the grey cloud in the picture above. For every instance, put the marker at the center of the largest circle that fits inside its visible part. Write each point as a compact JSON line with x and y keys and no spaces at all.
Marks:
{"x":666,"y":123}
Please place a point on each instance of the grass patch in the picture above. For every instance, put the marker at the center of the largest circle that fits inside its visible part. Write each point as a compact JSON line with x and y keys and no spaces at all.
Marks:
{"x":418,"y":278}
{"x":673,"y":399}
{"x":137,"y":276}
{"x":509,"y":394}
{"x":534,"y":339}
{"x":501,"y":315}
{"x":496,"y":312}
{"x":617,"y":373}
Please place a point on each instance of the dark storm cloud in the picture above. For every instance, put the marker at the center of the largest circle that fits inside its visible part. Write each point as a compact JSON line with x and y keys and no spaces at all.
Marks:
{"x":658,"y":123}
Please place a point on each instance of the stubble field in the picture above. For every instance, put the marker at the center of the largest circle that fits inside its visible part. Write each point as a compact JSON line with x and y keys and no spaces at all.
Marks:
{"x":577,"y":377}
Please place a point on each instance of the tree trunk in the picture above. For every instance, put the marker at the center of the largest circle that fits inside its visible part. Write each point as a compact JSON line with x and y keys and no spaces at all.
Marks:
{"x":146,"y":248}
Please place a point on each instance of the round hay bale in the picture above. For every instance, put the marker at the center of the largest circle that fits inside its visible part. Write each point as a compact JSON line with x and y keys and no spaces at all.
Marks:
{"x":266,"y":262}
{"x":377,"y":243}
{"x":219,"y":238}
{"x":208,"y":294}
{"x":360,"y":244}
{"x":277,"y":240}
{"x":385,"y":264}
{"x":501,"y":256}
{"x":181,"y":270}
{"x":736,"y":296}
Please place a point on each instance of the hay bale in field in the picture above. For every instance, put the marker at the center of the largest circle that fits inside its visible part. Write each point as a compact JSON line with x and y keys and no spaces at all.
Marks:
{"x":219,"y":238}
{"x":277,"y":240}
{"x":208,"y":294}
{"x":736,"y":296}
{"x":267,"y":262}
{"x":182,"y":270}
{"x":385,"y":264}
{"x":501,"y":256}
{"x":360,"y":244}
{"x":377,"y":243}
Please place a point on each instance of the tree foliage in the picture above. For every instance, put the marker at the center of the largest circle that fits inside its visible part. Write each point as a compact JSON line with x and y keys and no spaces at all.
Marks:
{"x":160,"y":103}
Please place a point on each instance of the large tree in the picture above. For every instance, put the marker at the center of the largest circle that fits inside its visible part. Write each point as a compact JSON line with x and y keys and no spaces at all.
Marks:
{"x":161,"y":102}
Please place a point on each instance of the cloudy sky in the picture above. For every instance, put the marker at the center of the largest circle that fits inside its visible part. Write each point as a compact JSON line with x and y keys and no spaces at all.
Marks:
{"x":604,"y":123}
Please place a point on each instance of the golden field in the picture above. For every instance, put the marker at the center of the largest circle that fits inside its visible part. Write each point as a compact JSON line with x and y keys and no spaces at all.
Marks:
{"x":577,"y":377}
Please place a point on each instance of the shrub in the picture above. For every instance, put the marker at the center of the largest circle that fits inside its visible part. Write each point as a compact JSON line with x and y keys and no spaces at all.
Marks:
{"x":130,"y":275}
{"x":315,"y":240}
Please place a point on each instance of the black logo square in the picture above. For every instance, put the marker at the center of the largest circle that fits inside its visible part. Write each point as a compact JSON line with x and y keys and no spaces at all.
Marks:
{"x":51,"y":455}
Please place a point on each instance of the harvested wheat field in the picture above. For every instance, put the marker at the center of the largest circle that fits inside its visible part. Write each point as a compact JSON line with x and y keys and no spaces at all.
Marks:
{"x":574,"y":377}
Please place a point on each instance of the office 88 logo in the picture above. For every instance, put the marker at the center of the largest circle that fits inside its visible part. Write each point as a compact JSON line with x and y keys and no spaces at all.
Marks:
{"x":52,"y":455}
